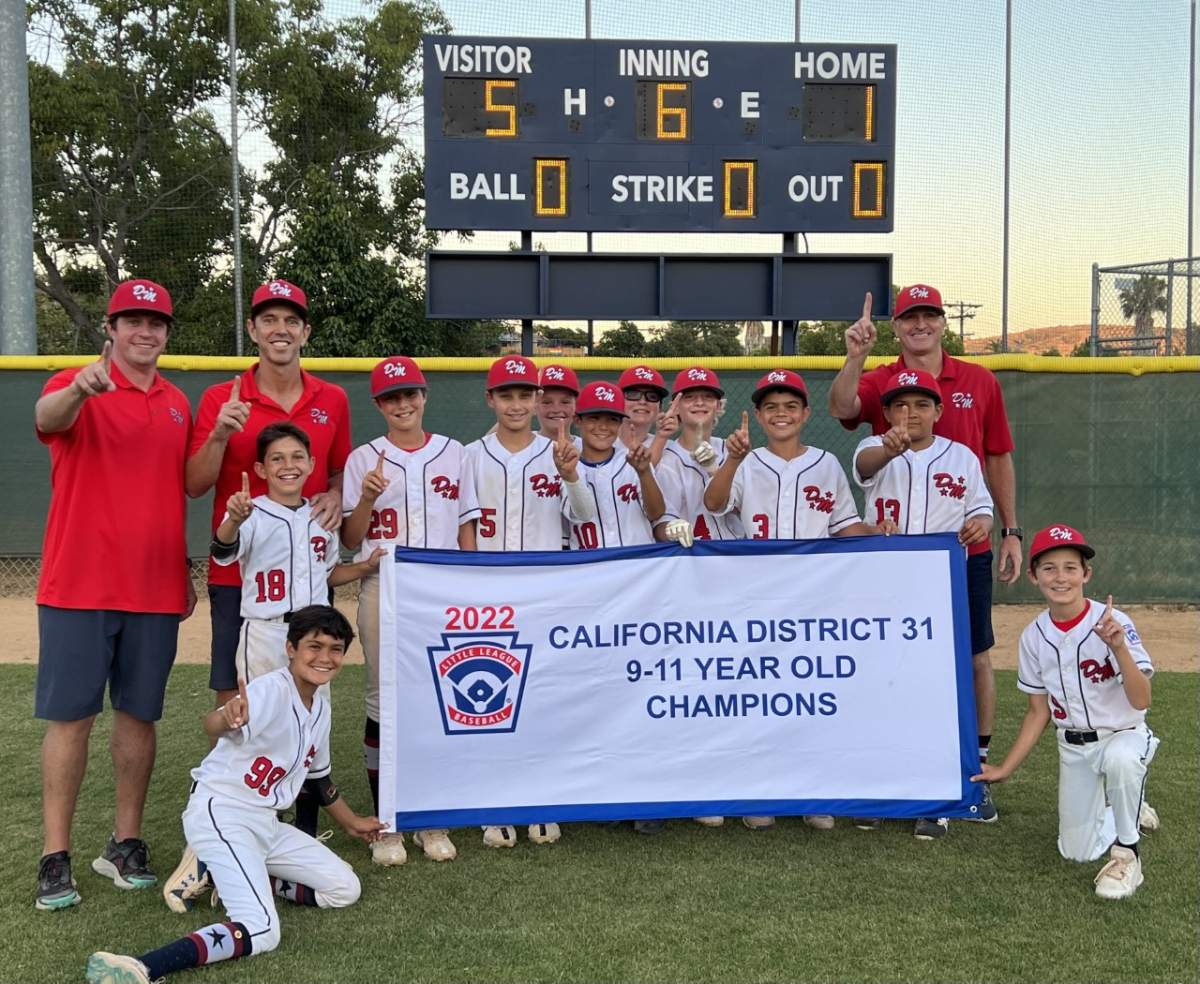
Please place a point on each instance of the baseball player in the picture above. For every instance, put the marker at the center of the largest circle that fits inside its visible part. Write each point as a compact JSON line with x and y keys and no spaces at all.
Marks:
{"x":785,"y":491}
{"x":630,"y":508}
{"x":273,"y":738}
{"x":1084,"y":667}
{"x":644,"y":392}
{"x":521,"y":480}
{"x":918,"y":483}
{"x":556,"y":399}
{"x":413,"y":489}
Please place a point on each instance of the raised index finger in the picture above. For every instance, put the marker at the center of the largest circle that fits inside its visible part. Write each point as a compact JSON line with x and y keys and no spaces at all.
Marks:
{"x":867,"y":307}
{"x":379,"y":463}
{"x":745,"y":420}
{"x":1108,"y":610}
{"x":245,"y":483}
{"x":106,"y":356}
{"x":562,"y":430}
{"x":242,"y":692}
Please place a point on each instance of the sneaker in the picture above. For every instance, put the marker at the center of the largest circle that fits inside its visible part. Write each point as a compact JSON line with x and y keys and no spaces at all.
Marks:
{"x":1147,"y":817}
{"x":820,"y":821}
{"x":389,"y":850}
{"x":929,"y":829}
{"x":116,"y":968}
{"x":544,"y":833}
{"x":709,"y":821}
{"x":759,"y":823}
{"x":56,"y":887}
{"x":987,"y":809}
{"x":868,"y":823}
{"x":1121,"y":877}
{"x":126,"y":863}
{"x":436,"y":844}
{"x":649,"y":826}
{"x":499,"y":837}
{"x":187,"y":883}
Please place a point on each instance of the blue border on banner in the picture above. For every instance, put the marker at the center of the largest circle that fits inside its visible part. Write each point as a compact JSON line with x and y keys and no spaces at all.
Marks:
{"x":972,"y":793}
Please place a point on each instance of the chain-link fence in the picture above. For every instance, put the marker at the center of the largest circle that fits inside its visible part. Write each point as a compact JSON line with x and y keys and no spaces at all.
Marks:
{"x":1146,"y":308}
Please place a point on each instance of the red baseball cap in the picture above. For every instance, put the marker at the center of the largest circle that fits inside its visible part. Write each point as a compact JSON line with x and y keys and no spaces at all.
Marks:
{"x":1053,"y":537}
{"x":601,"y":397}
{"x":779,"y":379}
{"x":911,"y":381}
{"x":397,"y":373}
{"x":512,"y":370}
{"x":279,"y":292}
{"x":697,"y":378}
{"x":918,"y":296}
{"x":643,"y":376}
{"x":559,"y":377}
{"x":141,"y":295}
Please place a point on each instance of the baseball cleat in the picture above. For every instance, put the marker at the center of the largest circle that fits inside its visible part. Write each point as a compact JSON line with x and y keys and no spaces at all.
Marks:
{"x":819,"y":821}
{"x":56,"y":887}
{"x":1147,"y":817}
{"x":126,"y":863}
{"x":928,"y":828}
{"x":116,"y":968}
{"x":649,"y":826}
{"x":544,"y":833}
{"x":499,"y":837}
{"x":709,"y":821}
{"x":1121,"y":877}
{"x":187,"y":883}
{"x":436,"y":844}
{"x":987,"y":809}
{"x":389,"y":850}
{"x":759,"y":823}
{"x":868,"y":823}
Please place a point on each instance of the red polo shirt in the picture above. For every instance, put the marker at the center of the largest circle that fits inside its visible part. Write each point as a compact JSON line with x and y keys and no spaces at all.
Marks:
{"x":115,"y":536}
{"x":322,"y":412}
{"x":972,"y":409}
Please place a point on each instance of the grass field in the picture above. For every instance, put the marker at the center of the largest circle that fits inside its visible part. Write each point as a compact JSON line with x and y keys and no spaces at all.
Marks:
{"x":992,"y":903}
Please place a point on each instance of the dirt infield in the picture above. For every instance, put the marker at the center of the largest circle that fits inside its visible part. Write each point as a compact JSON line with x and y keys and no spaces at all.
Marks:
{"x":1171,"y":633}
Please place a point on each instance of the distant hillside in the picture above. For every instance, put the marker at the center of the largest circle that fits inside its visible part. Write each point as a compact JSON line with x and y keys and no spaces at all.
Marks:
{"x":1035,"y":341}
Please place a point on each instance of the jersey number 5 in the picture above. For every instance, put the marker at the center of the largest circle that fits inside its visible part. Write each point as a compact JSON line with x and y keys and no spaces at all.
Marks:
{"x":263,"y":775}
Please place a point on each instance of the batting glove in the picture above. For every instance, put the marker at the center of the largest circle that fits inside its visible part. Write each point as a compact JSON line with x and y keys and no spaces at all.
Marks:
{"x":679,"y":530}
{"x":705,"y":455}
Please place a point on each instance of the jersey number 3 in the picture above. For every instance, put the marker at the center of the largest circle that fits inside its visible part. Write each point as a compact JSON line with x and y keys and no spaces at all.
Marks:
{"x":263,"y":775}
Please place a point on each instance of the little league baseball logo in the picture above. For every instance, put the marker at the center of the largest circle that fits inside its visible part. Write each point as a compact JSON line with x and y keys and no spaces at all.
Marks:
{"x":479,"y":681}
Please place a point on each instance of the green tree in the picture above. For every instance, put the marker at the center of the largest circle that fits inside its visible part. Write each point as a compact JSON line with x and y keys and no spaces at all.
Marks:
{"x":1052,"y":353}
{"x":625,"y":341}
{"x":829,"y":338}
{"x":1141,"y":302}
{"x":132,"y":172}
{"x":696,"y":339}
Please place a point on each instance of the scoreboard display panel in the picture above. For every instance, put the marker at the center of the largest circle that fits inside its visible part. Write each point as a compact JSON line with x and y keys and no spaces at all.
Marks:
{"x":650,"y":136}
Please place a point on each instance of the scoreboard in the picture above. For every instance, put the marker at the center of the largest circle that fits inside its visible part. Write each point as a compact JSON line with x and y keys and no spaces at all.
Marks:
{"x":650,"y":136}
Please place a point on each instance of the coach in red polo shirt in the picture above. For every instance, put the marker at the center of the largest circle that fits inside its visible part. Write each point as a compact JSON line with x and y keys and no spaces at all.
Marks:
{"x":114,"y":583}
{"x":974,"y":415}
{"x":222,"y":447}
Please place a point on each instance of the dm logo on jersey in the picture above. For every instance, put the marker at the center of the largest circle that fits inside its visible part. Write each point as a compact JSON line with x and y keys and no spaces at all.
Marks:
{"x":176,"y":416}
{"x":480,"y":680}
{"x":319,"y":416}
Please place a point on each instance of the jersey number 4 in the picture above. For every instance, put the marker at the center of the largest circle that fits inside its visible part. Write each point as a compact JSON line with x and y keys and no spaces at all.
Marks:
{"x":263,"y":775}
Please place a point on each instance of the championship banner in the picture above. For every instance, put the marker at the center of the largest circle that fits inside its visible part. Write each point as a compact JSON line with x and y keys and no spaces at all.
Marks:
{"x":735,"y":678}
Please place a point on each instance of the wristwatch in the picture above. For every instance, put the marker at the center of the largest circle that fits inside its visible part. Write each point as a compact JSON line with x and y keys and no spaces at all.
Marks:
{"x":1013,"y":531}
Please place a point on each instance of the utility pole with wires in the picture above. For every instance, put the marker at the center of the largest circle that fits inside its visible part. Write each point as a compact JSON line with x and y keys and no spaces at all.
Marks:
{"x":965,"y":311}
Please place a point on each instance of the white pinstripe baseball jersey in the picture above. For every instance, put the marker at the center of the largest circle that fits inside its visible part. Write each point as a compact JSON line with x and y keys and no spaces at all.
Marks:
{"x":286,"y":558}
{"x":520,"y":495}
{"x":1078,"y":672}
{"x":683,"y":483}
{"x":620,"y":519}
{"x":265,"y":762}
{"x":807,"y":498}
{"x":934,"y":490}
{"x":431,"y":493}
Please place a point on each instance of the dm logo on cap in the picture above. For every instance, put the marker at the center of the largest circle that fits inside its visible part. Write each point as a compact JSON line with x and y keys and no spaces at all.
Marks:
{"x":699,"y":375}
{"x":643,"y":373}
{"x":480,"y":680}
{"x":1061,"y":533}
{"x":777,"y":377}
{"x":918,"y":292}
{"x":279,"y":290}
{"x":553,"y":372}
{"x":394,"y":369}
{"x":606,"y":394}
{"x":144,"y":293}
{"x":512,"y":365}
{"x":908,"y":379}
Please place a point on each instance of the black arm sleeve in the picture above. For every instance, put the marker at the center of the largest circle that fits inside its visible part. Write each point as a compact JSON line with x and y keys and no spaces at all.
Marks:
{"x":322,"y":789}
{"x":223,"y":551}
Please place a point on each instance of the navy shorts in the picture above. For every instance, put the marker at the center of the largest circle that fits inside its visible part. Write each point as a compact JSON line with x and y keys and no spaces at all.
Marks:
{"x":225,"y":606}
{"x":979,"y":600}
{"x":83,"y":650}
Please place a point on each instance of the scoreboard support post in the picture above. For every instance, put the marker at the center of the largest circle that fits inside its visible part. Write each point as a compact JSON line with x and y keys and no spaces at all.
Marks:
{"x":527,"y":323}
